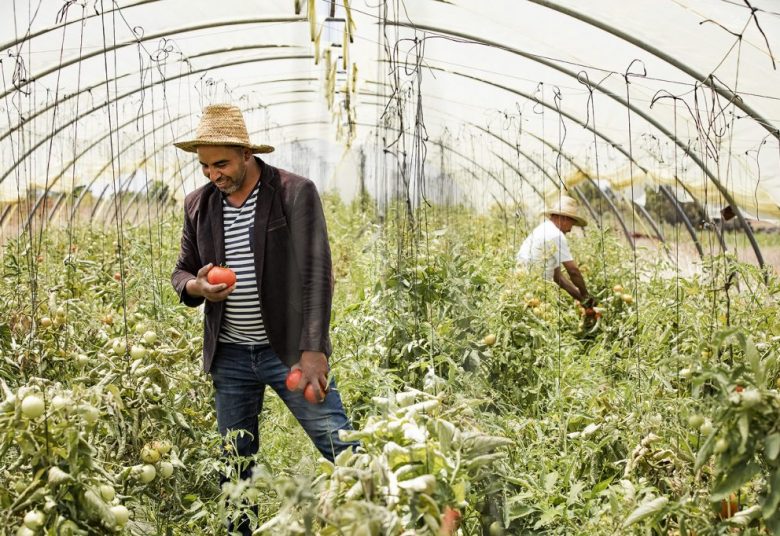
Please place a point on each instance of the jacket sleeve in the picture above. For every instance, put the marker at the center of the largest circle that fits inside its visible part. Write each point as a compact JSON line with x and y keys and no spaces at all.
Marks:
{"x":187,"y":263}
{"x":312,"y":254}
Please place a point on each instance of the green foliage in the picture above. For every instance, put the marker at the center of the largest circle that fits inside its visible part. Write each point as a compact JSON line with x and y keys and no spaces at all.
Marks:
{"x":608,"y":425}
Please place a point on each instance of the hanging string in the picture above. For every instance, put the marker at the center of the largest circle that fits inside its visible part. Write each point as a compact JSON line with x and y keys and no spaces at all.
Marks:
{"x":626,"y":76}
{"x":115,"y":169}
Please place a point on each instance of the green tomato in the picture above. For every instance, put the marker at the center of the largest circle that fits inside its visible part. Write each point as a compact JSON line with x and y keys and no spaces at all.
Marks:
{"x":32,"y":406}
{"x":166,"y":469}
{"x":706,"y":428}
{"x":751,"y":397}
{"x":107,"y":492}
{"x":163,"y":447}
{"x":496,"y":529}
{"x":137,"y":352}
{"x":721,"y":445}
{"x":34,"y":519}
{"x":149,"y":454}
{"x":90,"y":414}
{"x":61,"y":402}
{"x":146,"y":473}
{"x":119,"y":347}
{"x":149,"y":338}
{"x":695,"y":421}
{"x":121,"y":513}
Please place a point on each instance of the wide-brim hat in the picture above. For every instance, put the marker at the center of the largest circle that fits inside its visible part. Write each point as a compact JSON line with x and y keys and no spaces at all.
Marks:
{"x":566,"y":206}
{"x":221,"y":124}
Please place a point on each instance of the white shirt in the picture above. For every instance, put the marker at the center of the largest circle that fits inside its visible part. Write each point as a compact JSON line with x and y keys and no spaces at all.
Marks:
{"x":545,"y":248}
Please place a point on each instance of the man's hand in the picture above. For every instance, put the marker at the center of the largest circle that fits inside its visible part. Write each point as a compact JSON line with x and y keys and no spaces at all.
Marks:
{"x":314,"y":369}
{"x":200,"y":286}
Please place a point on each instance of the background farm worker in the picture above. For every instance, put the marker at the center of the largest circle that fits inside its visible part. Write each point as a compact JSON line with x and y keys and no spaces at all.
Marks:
{"x":268,"y":225}
{"x":547,"y":249}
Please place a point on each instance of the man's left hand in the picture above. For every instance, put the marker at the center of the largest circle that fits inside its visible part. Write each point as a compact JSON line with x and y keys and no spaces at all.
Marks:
{"x":314,"y":369}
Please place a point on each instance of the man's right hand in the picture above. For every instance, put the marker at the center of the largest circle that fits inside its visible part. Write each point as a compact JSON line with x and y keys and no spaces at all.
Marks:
{"x":201,"y":288}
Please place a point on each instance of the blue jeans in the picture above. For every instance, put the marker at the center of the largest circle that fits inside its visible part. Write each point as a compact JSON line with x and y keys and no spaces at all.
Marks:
{"x":240,"y":374}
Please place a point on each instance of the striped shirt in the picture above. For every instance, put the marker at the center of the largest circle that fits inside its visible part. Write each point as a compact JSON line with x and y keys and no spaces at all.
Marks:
{"x":243,"y":320}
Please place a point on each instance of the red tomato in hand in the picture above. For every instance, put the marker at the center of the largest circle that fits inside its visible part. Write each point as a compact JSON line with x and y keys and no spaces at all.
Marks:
{"x":221,"y":274}
{"x":309,"y":395}
{"x":293,"y":379}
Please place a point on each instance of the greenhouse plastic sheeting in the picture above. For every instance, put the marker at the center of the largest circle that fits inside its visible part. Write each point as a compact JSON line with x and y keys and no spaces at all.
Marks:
{"x":518,"y":96}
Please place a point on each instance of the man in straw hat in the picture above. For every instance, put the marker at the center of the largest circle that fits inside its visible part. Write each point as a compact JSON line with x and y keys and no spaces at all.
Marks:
{"x":268,"y":226}
{"x":546,"y":248}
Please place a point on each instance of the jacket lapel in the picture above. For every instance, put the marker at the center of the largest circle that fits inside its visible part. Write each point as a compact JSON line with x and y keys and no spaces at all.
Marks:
{"x":217,"y":231}
{"x":265,"y":198}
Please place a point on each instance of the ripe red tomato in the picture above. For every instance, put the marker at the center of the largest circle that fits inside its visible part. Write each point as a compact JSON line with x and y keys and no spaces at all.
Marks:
{"x":739,"y":389}
{"x":309,"y":395}
{"x":729,"y":507}
{"x":450,"y":520}
{"x":221,"y":274}
{"x":293,"y":379}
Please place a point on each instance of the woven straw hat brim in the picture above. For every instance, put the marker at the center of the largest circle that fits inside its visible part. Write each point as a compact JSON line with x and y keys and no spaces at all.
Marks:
{"x":191,"y":146}
{"x":578,"y":220}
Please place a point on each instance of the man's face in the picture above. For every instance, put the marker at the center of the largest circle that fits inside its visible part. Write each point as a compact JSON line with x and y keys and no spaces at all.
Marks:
{"x":225,"y":166}
{"x":564,"y":223}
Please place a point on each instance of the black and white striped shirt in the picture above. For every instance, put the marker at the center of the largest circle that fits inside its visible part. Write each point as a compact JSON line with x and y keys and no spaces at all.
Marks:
{"x":243,"y":320}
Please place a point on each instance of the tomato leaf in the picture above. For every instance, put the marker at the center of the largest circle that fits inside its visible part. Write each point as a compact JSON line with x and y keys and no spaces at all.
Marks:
{"x":645,"y":510}
{"x":769,"y":507}
{"x":772,"y":445}
{"x":734,"y":479}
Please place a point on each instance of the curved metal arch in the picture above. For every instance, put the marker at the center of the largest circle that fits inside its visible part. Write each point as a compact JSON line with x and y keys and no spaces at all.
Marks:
{"x":450,"y":149}
{"x":582,"y":197}
{"x":686,"y":220}
{"x":68,"y":23}
{"x":167,"y":33}
{"x":127,"y":147}
{"x":576,"y":120}
{"x":722,"y":189}
{"x":699,"y":77}
{"x":94,"y":144}
{"x":45,"y":109}
{"x":522,"y":176}
{"x":611,"y":205}
{"x":115,"y":99}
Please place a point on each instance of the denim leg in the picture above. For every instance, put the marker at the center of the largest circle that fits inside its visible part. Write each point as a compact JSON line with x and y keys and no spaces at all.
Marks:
{"x":239,"y":399}
{"x":238,"y":395}
{"x":321,"y":422}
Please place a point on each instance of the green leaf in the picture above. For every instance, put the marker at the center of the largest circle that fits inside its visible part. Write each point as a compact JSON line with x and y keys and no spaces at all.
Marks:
{"x":744,"y":431}
{"x":771,"y":501}
{"x":772,"y":445}
{"x":550,"y":480}
{"x":752,"y":357}
{"x":705,"y":451}
{"x":738,"y":476}
{"x":645,"y":510}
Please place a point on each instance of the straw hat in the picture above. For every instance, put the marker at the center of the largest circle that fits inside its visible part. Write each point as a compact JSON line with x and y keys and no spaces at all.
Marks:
{"x":222,"y":124}
{"x":566,"y":206}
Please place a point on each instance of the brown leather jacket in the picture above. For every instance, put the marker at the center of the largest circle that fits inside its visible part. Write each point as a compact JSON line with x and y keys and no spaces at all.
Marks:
{"x":292,"y":262}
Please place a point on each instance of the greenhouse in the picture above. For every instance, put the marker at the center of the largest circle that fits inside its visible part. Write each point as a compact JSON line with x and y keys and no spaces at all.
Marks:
{"x":421,"y":267}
